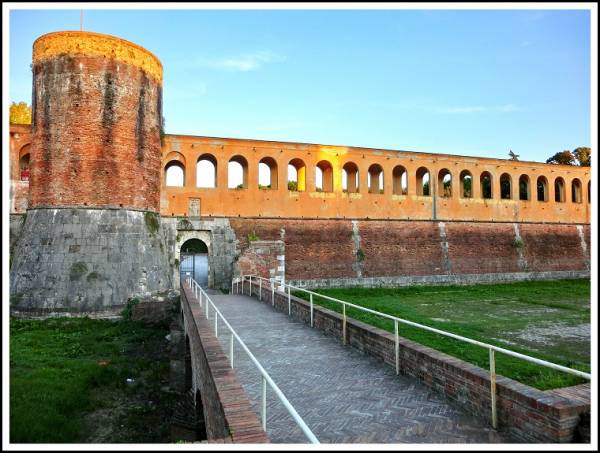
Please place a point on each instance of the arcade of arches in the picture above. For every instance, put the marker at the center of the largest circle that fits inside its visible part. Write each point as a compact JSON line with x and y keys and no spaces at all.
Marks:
{"x":318,"y":181}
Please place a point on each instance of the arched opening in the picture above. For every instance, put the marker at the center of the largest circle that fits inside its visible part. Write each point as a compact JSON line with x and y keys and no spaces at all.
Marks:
{"x":267,"y":173}
{"x":174,"y":174}
{"x":297,"y":175}
{"x":576,"y":191}
{"x":524,"y":188}
{"x":324,"y":177}
{"x":24,"y":163}
{"x":194,"y":261}
{"x":589,"y":191}
{"x":399,"y":180}
{"x":505,"y":187}
{"x":206,"y":171}
{"x":559,"y":190}
{"x":237,"y":173}
{"x":350,"y":177}
{"x":485,"y":182}
{"x":542,"y":188}
{"x":423,"y":182}
{"x":375,"y":179}
{"x":466,"y":184}
{"x":445,"y":183}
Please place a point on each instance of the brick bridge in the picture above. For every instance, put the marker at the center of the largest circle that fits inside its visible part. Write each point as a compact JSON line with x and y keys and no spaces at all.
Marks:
{"x":351,"y":394}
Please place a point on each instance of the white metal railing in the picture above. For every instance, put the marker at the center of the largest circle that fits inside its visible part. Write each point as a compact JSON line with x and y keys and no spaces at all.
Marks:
{"x":200,"y":294}
{"x":491,"y":348}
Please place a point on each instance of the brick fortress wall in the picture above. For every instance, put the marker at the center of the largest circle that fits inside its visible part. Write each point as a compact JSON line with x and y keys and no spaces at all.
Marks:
{"x":380,"y":253}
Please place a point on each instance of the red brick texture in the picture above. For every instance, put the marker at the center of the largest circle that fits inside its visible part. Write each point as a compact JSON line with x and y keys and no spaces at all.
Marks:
{"x":95,"y":135}
{"x":552,"y":247}
{"x":400,"y":248}
{"x":480,"y":248}
{"x":313,"y":248}
{"x":260,"y":258}
{"x":529,"y":414}
{"x":227,"y":411}
{"x":325,"y":249}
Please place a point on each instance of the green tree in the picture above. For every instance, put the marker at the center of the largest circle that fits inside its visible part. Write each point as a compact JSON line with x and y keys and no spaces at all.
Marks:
{"x":579,"y":156}
{"x":426,"y":188}
{"x":565,"y":157}
{"x":20,"y":113}
{"x":583,"y":156}
{"x":513,"y":156}
{"x":293,"y":185}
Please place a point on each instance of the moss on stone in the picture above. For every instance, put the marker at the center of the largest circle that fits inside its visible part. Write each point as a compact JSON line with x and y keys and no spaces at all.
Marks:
{"x":77,"y":270}
{"x":15,"y":299}
{"x":152,"y":223}
{"x":92,"y":276}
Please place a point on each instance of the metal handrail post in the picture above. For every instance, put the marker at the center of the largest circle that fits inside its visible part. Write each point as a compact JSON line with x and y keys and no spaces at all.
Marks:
{"x":344,"y":325}
{"x":264,"y":404}
{"x":311,"y":311}
{"x":231,"y":350}
{"x":216,"y":324}
{"x":397,"y":346}
{"x":272,"y":294}
{"x":260,"y":289}
{"x":207,"y":311}
{"x":250,"y":291}
{"x":493,"y":387}
{"x":289,"y":301}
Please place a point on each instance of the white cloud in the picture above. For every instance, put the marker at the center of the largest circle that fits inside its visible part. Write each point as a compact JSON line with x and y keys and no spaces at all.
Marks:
{"x":243,"y":62}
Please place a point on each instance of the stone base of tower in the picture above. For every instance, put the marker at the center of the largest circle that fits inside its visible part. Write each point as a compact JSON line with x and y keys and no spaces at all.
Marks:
{"x":79,"y":261}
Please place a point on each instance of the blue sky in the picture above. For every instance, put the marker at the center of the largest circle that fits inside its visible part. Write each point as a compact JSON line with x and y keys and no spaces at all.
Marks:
{"x":460,"y":82}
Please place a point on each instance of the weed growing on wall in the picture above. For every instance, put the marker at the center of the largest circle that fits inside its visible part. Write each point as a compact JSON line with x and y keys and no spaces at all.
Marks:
{"x":360,"y":255}
{"x":252,"y":236}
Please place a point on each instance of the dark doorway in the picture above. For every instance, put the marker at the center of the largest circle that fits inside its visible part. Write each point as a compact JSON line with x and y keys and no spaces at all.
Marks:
{"x":194,"y":261}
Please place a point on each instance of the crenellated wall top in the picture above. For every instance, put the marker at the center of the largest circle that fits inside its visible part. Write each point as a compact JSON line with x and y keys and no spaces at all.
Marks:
{"x":97,"y":44}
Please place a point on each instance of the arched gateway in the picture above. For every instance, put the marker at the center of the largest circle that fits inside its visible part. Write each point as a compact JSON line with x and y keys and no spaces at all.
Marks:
{"x":194,"y":261}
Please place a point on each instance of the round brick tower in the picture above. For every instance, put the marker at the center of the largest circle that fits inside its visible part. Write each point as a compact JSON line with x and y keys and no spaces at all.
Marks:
{"x":92,"y":235}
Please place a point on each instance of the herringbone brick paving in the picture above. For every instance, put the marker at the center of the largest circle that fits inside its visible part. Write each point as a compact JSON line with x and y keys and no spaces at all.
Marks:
{"x":344,"y":396}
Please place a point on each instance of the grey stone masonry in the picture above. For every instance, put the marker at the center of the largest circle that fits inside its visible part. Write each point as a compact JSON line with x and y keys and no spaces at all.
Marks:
{"x":457,"y":279}
{"x":74,"y":260}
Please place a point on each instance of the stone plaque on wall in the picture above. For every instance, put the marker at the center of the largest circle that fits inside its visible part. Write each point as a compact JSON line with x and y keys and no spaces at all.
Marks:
{"x":194,"y":207}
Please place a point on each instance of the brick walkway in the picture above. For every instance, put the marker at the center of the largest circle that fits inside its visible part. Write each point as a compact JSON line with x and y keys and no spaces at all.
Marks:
{"x":344,"y":396}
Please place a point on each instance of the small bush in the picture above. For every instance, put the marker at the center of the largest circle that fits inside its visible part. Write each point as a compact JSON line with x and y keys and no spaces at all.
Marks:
{"x":252,"y":236}
{"x":128,"y":310}
{"x":519,"y":243}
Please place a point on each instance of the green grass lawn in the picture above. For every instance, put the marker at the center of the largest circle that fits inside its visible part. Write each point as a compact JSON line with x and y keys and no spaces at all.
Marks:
{"x":549,"y":320}
{"x":68,"y":381}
